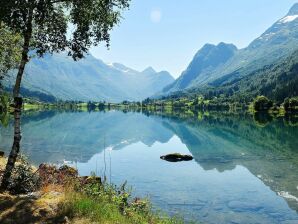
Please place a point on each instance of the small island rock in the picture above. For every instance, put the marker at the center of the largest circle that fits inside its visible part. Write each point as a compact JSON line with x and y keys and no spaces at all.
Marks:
{"x":176,"y":157}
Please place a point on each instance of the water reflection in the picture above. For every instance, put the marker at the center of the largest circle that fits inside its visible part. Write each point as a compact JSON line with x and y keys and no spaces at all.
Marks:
{"x":262,"y":119}
{"x":291,"y":120}
{"x":222,"y":143}
{"x":52,"y":137}
{"x":4,"y":119}
{"x":245,"y":166}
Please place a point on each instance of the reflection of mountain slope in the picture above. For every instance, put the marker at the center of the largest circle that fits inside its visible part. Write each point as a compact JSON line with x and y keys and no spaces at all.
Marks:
{"x":78,"y":136}
{"x":216,"y":142}
{"x":269,"y":153}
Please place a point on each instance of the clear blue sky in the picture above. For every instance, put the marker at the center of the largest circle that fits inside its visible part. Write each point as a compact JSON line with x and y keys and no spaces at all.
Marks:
{"x":165,"y":34}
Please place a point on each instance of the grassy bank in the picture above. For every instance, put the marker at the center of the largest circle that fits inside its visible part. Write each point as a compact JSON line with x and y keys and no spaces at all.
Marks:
{"x":61,"y":196}
{"x":104,"y":203}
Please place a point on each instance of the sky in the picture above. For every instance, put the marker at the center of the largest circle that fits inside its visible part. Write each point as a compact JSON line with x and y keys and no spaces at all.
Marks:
{"x":166,"y":34}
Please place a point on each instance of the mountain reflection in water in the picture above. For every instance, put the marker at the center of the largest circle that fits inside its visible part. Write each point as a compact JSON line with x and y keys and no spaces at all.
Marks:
{"x":252,"y":148}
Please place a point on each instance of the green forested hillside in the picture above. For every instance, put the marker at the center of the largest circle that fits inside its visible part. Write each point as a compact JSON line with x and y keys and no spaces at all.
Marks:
{"x":276,"y":81}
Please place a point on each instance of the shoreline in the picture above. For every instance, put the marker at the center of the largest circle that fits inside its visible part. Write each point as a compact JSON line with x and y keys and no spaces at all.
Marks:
{"x":65,"y":197}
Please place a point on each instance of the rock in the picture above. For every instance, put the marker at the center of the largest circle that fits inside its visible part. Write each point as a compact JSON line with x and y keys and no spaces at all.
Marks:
{"x":66,"y":220}
{"x":68,"y":171}
{"x":176,"y":157}
{"x":52,"y":175}
{"x":90,"y":180}
{"x":32,"y":195}
{"x":2,"y":154}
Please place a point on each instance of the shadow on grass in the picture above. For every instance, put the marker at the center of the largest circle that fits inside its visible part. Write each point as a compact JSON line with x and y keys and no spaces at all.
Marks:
{"x":27,"y":209}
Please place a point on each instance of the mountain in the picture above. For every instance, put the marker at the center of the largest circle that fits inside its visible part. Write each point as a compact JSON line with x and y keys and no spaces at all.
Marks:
{"x":276,"y":81}
{"x":90,"y":79}
{"x":207,"y":59}
{"x":149,"y":71}
{"x":275,"y":44}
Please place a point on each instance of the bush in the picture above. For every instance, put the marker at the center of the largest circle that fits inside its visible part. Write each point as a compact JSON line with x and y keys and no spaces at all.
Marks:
{"x":4,"y":102}
{"x":262,"y":103}
{"x":23,"y":179}
{"x":291,"y":104}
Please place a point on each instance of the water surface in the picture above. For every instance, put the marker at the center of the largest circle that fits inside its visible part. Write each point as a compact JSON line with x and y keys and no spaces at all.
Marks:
{"x":244,"y":171}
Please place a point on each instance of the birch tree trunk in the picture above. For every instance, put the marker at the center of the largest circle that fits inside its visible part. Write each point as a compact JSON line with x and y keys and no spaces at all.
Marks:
{"x":17,"y":108}
{"x":16,"y":144}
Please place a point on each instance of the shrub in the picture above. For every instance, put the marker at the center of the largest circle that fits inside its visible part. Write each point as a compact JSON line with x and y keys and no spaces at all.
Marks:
{"x":262,"y":103}
{"x":23,"y":179}
{"x":4,"y":102}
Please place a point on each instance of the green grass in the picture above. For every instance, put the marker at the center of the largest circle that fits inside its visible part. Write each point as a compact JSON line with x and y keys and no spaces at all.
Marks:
{"x":28,"y":106}
{"x":104,"y":203}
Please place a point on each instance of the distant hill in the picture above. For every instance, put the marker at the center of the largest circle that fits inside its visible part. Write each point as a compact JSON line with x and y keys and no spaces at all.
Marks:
{"x":89,"y":79}
{"x":216,"y":66}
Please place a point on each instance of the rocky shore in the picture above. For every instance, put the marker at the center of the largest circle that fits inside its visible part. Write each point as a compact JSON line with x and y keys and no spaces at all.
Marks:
{"x":51,"y":194}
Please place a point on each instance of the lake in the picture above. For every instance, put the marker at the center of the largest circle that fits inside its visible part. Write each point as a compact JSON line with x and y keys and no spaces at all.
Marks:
{"x":245,"y":168}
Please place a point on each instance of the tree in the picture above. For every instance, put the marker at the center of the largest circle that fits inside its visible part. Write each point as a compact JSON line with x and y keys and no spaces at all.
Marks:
{"x":43,"y":26}
{"x":10,"y":50}
{"x":291,"y":104}
{"x":262,"y":103}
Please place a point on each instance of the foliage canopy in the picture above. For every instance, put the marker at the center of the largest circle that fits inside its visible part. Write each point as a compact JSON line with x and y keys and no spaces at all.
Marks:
{"x":46,"y":23}
{"x":10,"y":50}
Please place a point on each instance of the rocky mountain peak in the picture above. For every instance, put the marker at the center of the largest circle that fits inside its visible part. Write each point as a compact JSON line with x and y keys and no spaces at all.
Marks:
{"x":293,"y":10}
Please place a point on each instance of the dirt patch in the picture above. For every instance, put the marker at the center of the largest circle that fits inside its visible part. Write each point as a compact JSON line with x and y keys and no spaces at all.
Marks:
{"x":46,"y":204}
{"x":31,"y":208}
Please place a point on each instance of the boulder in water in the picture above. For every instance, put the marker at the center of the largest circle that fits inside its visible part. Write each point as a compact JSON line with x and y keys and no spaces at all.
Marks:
{"x":176,"y":157}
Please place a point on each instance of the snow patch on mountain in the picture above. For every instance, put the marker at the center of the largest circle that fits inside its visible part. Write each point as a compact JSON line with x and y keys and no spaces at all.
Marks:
{"x":267,"y":36}
{"x":288,"y":19}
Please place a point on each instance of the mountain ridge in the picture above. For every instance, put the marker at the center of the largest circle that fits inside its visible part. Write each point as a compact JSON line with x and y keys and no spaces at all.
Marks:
{"x":204,"y":61}
{"x":277,"y":42}
{"x":89,"y":79}
{"x":293,"y":10}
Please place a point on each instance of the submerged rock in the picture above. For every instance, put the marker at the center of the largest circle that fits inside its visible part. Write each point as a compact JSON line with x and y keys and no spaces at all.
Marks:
{"x":176,"y":157}
{"x":1,"y":154}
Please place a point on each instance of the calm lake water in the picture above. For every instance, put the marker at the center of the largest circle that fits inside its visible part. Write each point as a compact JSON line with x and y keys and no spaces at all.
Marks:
{"x":245,"y":170}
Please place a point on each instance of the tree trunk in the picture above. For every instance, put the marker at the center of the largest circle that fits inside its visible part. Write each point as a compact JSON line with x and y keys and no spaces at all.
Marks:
{"x":17,"y":107}
{"x":16,"y":144}
{"x":16,"y":89}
